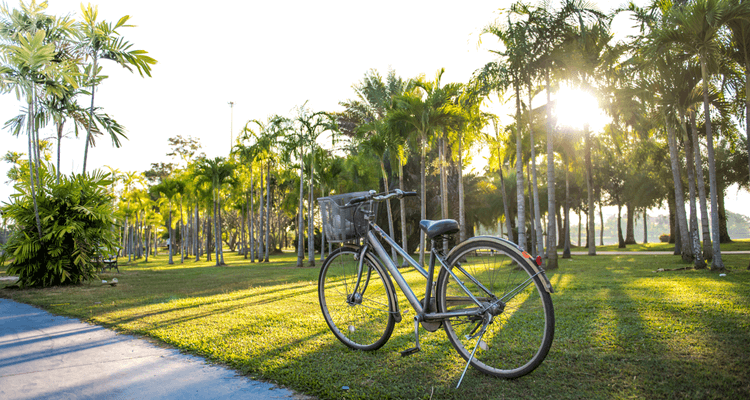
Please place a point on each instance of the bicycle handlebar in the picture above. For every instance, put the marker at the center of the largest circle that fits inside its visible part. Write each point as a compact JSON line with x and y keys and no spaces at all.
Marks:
{"x":398,"y":193}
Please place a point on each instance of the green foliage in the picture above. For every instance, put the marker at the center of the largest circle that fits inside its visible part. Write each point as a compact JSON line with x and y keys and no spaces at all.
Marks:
{"x":77,"y":220}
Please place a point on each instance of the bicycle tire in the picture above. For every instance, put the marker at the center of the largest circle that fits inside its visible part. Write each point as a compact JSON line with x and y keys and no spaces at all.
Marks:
{"x":520,"y":336}
{"x":363,"y":320}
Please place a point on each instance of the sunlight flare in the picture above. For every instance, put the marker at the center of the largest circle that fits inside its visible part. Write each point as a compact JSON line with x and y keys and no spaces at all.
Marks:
{"x":576,"y":107}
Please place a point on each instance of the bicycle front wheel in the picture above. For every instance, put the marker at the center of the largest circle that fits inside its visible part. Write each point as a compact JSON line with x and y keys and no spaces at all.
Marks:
{"x":359,"y":310}
{"x":522,"y":325}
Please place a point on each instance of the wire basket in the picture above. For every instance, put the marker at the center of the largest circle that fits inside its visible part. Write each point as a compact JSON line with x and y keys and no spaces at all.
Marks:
{"x":343,"y":223}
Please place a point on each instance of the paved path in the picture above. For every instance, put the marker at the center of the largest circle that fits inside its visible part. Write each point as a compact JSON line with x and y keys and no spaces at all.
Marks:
{"x":43,"y":356}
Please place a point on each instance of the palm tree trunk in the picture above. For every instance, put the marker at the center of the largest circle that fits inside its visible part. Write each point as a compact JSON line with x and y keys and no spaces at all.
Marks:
{"x":260,"y":217}
{"x":207,"y":233}
{"x":590,"y":232}
{"x":443,"y":184}
{"x":33,"y":170}
{"x":402,"y":203}
{"x":217,"y":227}
{"x":551,"y":206}
{"x":323,"y":193}
{"x":246,"y":217}
{"x":310,"y":207}
{"x":423,"y":197}
{"x":391,"y":231}
{"x":698,"y":261}
{"x":461,"y":205}
{"x":532,"y":225}
{"x":580,"y":220}
{"x":706,"y":232}
{"x":506,"y":206}
{"x":521,"y":212}
{"x":182,"y":236}
{"x":300,"y":214}
{"x":630,"y":224}
{"x":566,"y":250}
{"x":171,"y":239}
{"x":268,"y":208}
{"x":91,"y":110}
{"x":620,"y":239}
{"x":601,"y":219}
{"x":59,"y":139}
{"x":196,"y":239}
{"x":716,"y":262}
{"x":250,"y":222}
{"x":535,"y":188}
{"x":685,"y":250}
{"x":127,"y":234}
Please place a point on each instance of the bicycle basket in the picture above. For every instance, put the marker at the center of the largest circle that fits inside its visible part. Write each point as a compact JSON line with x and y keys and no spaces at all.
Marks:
{"x":341,"y":222}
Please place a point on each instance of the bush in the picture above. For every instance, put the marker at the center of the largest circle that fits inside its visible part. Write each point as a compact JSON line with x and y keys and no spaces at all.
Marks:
{"x":664,"y":238}
{"x":77,"y":225}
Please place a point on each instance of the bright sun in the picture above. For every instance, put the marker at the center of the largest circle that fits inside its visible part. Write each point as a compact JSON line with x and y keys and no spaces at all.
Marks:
{"x":576,"y":107}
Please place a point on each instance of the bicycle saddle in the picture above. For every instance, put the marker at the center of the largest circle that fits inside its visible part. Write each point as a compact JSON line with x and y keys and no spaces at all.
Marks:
{"x":434,"y":229}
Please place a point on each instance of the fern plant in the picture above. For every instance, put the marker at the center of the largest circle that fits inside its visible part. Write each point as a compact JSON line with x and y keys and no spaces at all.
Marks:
{"x":77,"y":226}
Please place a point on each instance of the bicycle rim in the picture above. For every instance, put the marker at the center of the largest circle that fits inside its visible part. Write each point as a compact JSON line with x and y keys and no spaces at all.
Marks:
{"x":360,"y":319}
{"x":518,"y":338}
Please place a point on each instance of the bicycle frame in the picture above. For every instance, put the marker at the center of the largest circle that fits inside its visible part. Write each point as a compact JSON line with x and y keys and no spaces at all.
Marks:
{"x":419,"y":308}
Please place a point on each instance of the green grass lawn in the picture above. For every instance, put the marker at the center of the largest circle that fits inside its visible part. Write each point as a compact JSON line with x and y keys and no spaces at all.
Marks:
{"x":622,"y":331}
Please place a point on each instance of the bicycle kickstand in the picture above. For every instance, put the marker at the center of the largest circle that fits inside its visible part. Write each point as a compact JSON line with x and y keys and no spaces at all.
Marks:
{"x":480,"y":335}
{"x":415,"y":349}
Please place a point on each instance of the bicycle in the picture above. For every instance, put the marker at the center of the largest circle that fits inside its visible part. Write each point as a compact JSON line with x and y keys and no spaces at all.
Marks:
{"x":490,"y":297}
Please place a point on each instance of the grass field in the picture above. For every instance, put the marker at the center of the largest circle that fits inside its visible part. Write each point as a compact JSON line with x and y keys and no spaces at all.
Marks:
{"x":622,"y":330}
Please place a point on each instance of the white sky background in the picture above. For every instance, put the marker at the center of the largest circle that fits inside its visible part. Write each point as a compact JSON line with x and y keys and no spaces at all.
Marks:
{"x":267,"y":57}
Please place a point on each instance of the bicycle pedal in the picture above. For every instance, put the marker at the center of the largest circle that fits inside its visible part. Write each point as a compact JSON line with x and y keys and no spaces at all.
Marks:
{"x":411,"y":351}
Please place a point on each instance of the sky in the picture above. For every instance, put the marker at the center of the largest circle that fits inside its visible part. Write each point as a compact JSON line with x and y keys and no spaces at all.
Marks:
{"x":267,"y":57}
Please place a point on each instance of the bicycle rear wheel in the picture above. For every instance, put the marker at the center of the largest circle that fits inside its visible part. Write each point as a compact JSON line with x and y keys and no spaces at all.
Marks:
{"x":522,"y":327}
{"x":360,"y":315}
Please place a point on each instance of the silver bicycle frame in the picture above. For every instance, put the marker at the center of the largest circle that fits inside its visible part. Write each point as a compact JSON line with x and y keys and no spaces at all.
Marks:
{"x":381,"y":252}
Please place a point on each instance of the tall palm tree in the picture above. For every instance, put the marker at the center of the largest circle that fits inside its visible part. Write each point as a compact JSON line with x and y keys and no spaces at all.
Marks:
{"x":425,"y":109}
{"x":101,"y":41}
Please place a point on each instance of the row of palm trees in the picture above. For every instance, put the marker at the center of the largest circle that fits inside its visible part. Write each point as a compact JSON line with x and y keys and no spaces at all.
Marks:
{"x":688,"y":54}
{"x":650,"y":87}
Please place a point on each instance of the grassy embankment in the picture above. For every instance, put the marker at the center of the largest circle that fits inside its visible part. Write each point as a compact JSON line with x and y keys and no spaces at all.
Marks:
{"x":623,"y":331}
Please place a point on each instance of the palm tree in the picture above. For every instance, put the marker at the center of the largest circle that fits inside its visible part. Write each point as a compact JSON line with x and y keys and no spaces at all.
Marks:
{"x":101,"y":41}
{"x":425,"y":110}
{"x":368,"y":113}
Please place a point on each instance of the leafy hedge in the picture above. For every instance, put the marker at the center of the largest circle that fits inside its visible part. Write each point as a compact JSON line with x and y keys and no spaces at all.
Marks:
{"x":77,"y":225}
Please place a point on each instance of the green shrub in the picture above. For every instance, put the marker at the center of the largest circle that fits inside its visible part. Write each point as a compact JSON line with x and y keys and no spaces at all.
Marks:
{"x":77,"y":223}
